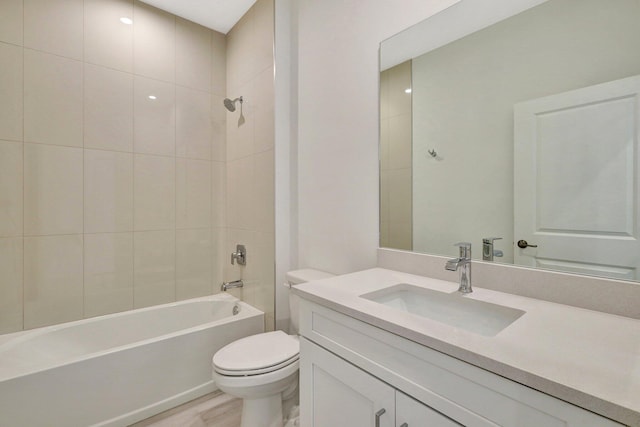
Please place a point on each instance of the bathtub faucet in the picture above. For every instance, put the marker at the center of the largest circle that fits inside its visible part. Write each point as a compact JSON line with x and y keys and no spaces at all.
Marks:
{"x":230,"y":285}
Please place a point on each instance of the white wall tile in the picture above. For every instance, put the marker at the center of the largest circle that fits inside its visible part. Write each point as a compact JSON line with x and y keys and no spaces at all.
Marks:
{"x":264,"y":113}
{"x":11,"y":170}
{"x":52,"y":280}
{"x":154,"y":192}
{"x":11,"y":21}
{"x":218,"y":128}
{"x":52,"y":190}
{"x":218,"y":63}
{"x":108,"y":273}
{"x":108,"y":191}
{"x":219,"y":257}
{"x":108,"y":41}
{"x":193,"y":55}
{"x":154,"y":40}
{"x":193,"y":263}
{"x":193,"y":123}
{"x":263,"y":271}
{"x":240,"y":194}
{"x":154,"y":267}
{"x":108,"y":109}
{"x":154,"y":119}
{"x":218,"y":194}
{"x":400,"y":196}
{"x":263,"y":34}
{"x":193,"y":193}
{"x":240,"y":51}
{"x":11,"y":94}
{"x":263,"y":212}
{"x":11,"y":287}
{"x":400,"y":142}
{"x":52,"y":99}
{"x":54,"y":26}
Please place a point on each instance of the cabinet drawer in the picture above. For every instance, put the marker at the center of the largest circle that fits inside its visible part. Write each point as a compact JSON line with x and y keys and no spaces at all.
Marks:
{"x":470,"y":395}
{"x":411,"y":413}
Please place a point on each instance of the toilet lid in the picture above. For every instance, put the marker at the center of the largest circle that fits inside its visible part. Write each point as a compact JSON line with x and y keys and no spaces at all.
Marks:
{"x":257,"y":353}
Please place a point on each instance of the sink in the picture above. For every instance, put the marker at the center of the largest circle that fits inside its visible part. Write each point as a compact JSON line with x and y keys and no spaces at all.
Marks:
{"x":453,"y":309}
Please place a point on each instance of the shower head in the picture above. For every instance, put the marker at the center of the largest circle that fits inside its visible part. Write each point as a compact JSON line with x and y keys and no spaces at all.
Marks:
{"x":231,"y":105}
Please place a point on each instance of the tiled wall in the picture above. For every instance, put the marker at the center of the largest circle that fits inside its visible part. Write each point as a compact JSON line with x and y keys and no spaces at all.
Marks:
{"x":110,"y":200}
{"x":250,"y":156}
{"x":396,"y":158}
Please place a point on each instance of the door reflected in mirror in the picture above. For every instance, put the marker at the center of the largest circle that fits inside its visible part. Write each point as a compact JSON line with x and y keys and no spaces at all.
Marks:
{"x":524,"y":128}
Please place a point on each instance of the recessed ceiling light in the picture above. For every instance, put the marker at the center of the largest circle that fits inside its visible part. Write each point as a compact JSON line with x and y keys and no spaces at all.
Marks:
{"x":408,"y":90}
{"x":152,"y":97}
{"x":126,"y":20}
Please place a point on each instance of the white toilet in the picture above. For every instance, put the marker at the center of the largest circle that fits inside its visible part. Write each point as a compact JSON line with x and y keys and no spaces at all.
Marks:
{"x":263,"y":369}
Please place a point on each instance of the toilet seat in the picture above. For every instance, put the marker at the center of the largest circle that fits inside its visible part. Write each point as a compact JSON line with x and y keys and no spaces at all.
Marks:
{"x":257,"y":354}
{"x":248,"y":372}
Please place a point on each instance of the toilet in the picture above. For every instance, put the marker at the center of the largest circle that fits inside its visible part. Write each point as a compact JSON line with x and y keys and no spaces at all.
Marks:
{"x":262,"y":369}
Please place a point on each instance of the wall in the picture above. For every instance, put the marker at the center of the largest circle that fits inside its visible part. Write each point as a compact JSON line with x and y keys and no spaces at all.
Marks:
{"x":464,"y":95}
{"x":337,"y":135}
{"x":396,"y":222}
{"x":250,"y":157}
{"x":108,"y":200}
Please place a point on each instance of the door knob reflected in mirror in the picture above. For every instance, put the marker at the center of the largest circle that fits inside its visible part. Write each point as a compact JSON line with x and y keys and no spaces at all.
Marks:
{"x":523,"y":244}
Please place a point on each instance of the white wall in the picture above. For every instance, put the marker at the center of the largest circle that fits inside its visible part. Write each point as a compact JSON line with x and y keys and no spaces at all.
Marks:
{"x":338,"y":75}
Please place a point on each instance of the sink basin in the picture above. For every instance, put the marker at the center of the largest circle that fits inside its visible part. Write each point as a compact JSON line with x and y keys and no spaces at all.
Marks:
{"x":453,"y":309}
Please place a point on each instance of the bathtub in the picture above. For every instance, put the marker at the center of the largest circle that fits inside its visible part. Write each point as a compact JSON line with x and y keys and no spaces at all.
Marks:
{"x":120,"y":368}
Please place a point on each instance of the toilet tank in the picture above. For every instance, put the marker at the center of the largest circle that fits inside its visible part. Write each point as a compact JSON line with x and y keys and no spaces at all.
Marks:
{"x":295,"y":278}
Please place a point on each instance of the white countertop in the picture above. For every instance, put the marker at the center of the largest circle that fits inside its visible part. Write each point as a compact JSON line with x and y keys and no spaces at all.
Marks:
{"x":584,"y":357}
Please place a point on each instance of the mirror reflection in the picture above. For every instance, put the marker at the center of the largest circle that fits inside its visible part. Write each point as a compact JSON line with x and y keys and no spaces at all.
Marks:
{"x":522,"y":134}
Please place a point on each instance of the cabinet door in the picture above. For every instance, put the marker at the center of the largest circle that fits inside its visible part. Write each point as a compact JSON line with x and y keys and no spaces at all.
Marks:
{"x":335,"y":393}
{"x":411,"y":413}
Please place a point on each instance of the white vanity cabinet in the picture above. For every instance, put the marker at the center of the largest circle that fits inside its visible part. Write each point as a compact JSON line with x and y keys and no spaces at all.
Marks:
{"x":351,"y":370}
{"x":336,"y":393}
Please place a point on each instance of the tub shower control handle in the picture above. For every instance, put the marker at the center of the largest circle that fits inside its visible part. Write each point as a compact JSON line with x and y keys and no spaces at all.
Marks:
{"x":380,"y":413}
{"x":523,"y":244}
{"x":239,"y":255}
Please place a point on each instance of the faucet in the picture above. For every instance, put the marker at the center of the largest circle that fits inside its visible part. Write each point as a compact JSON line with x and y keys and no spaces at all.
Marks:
{"x":487,"y":249}
{"x":229,"y":285}
{"x":463,"y":263}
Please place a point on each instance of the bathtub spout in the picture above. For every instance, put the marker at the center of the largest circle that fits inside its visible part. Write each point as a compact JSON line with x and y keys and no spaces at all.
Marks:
{"x":229,"y":285}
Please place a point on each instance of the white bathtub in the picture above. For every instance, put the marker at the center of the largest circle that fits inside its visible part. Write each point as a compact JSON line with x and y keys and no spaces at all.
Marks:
{"x":117,"y":369}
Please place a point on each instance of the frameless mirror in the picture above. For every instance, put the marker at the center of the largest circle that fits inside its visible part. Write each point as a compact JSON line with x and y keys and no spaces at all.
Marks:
{"x":515,"y":120}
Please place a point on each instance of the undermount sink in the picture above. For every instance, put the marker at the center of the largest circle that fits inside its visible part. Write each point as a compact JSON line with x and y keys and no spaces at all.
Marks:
{"x":453,"y":309}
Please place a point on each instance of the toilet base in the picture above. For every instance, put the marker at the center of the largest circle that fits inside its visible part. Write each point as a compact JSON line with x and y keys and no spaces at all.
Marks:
{"x":262,"y":412}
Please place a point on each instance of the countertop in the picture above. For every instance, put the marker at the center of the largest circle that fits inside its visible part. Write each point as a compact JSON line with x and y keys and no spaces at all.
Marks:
{"x":587,"y":358}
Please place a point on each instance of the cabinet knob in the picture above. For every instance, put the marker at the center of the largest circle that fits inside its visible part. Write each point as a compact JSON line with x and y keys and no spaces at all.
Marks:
{"x":378,"y":415}
{"x":404,"y":425}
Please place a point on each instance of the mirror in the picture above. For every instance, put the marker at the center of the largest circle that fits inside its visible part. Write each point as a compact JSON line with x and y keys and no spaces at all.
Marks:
{"x":517,"y":120}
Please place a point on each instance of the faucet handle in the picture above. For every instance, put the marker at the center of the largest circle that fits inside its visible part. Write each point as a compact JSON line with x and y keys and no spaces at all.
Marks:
{"x":465,"y":249}
{"x":490,"y":239}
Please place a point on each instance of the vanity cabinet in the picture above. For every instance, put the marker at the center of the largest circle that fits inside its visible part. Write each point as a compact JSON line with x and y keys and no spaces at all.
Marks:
{"x":338,"y":393}
{"x":350,"y":370}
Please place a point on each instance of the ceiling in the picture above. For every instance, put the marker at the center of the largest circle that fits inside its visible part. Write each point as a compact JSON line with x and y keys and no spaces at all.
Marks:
{"x":219,"y":15}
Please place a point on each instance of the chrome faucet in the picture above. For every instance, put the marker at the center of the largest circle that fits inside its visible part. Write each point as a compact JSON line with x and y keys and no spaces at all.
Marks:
{"x":487,"y":249}
{"x":234,"y":284}
{"x":462,"y":264}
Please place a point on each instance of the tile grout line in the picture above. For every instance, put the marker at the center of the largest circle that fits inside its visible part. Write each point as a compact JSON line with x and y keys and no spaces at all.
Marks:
{"x":82,"y":76}
{"x":23,"y":176}
{"x":133,"y":159}
{"x":175,"y":161}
